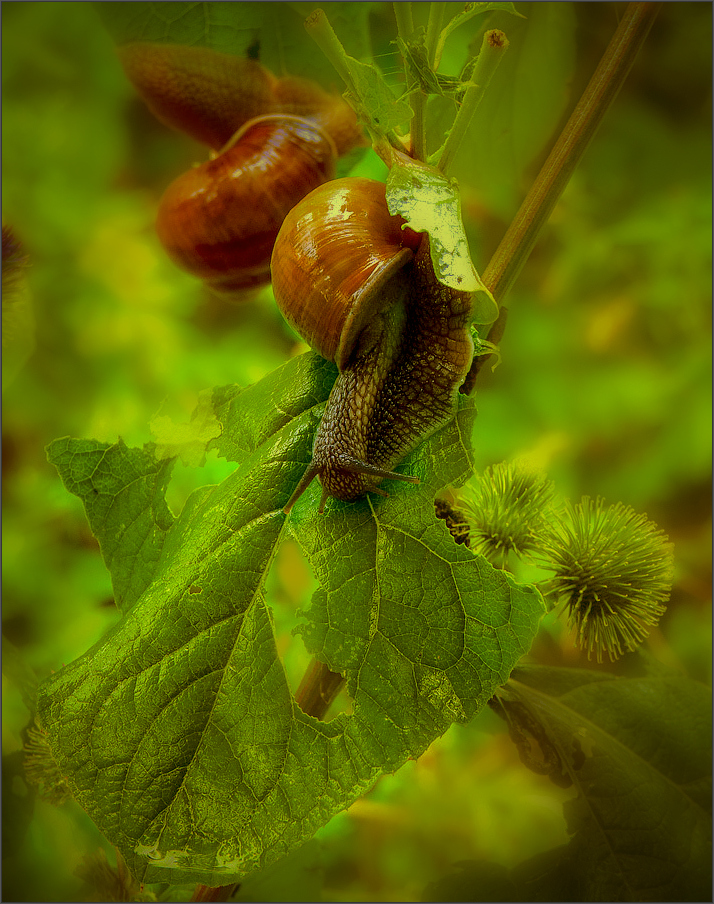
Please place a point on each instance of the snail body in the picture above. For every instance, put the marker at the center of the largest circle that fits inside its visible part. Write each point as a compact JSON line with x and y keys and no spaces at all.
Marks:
{"x":401,"y":340}
{"x":219,"y":220}
{"x":210,"y":95}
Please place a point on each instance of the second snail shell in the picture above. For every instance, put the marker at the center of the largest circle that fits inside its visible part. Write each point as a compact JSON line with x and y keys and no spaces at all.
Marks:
{"x":219,"y":220}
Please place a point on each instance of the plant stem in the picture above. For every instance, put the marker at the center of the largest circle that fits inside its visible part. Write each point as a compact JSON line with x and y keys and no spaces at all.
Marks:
{"x":517,"y":244}
{"x":417,"y":130}
{"x":405,"y":20}
{"x":417,"y":100}
{"x":320,"y":30}
{"x":418,"y":97}
{"x":214,"y":892}
{"x":494,"y":45}
{"x":318,"y":689}
{"x":433,"y":30}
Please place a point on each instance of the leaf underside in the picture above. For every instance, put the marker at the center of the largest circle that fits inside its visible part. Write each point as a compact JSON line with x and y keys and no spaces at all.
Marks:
{"x":637,"y":752}
{"x":177,"y":731}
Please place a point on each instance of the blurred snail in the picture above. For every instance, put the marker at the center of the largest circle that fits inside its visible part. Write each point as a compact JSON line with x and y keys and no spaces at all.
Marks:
{"x":210,"y":95}
{"x":361,"y":291}
{"x":277,"y":139}
{"x":219,"y":220}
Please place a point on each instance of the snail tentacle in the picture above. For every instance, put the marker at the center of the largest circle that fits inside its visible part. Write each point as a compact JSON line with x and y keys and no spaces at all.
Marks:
{"x":349,"y":465}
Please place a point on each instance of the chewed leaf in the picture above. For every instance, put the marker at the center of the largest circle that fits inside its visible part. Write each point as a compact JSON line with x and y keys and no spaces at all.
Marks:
{"x":430,"y":203}
{"x":188,"y":441}
{"x":177,"y":732}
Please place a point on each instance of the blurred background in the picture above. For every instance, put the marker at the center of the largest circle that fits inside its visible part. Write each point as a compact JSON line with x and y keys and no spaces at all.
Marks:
{"x":604,"y":382}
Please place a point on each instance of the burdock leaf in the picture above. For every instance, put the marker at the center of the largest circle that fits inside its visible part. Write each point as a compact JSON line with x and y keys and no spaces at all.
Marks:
{"x":638,"y":751}
{"x":270,"y":32}
{"x":178,"y":732}
{"x":123,"y":494}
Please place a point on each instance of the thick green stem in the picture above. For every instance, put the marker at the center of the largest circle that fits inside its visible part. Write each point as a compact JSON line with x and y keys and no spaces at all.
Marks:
{"x":320,"y":30}
{"x":417,"y":100}
{"x":418,"y":132}
{"x":494,"y":45}
{"x":433,"y":30}
{"x":418,"y":97}
{"x":405,"y":20}
{"x":518,"y":242}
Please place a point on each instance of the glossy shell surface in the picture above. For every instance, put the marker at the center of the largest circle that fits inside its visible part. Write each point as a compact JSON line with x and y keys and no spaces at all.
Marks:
{"x":336,"y":252}
{"x":219,"y":220}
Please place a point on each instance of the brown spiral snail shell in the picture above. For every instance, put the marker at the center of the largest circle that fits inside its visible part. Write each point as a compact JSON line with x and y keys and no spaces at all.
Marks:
{"x":361,"y":290}
{"x":219,"y":220}
{"x":276,"y":139}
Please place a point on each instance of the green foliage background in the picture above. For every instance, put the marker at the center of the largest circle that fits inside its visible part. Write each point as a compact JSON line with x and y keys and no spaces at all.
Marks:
{"x":605,"y":381}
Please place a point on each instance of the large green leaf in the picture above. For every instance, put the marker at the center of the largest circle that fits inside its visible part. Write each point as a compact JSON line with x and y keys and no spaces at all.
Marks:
{"x":638,"y":753}
{"x":123,"y":494}
{"x":178,"y":732}
{"x":273,"y":32}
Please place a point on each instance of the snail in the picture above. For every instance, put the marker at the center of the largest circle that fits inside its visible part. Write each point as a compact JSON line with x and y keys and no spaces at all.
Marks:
{"x":275,"y":140}
{"x":361,"y":290}
{"x":219,"y":220}
{"x":210,"y":95}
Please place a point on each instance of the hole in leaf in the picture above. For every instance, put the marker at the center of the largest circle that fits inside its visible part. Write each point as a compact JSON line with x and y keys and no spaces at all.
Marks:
{"x":289,"y":586}
{"x":454,"y":519}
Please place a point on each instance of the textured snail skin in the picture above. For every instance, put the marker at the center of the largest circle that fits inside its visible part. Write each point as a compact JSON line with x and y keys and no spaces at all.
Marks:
{"x":400,"y":386}
{"x":210,"y":95}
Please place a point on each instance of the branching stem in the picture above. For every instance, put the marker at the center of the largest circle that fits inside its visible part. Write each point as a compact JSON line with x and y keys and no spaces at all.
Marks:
{"x":320,"y":30}
{"x":405,"y":20}
{"x":433,"y":30}
{"x":521,"y":235}
{"x":417,"y":100}
{"x":493,"y":46}
{"x":318,"y":27}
